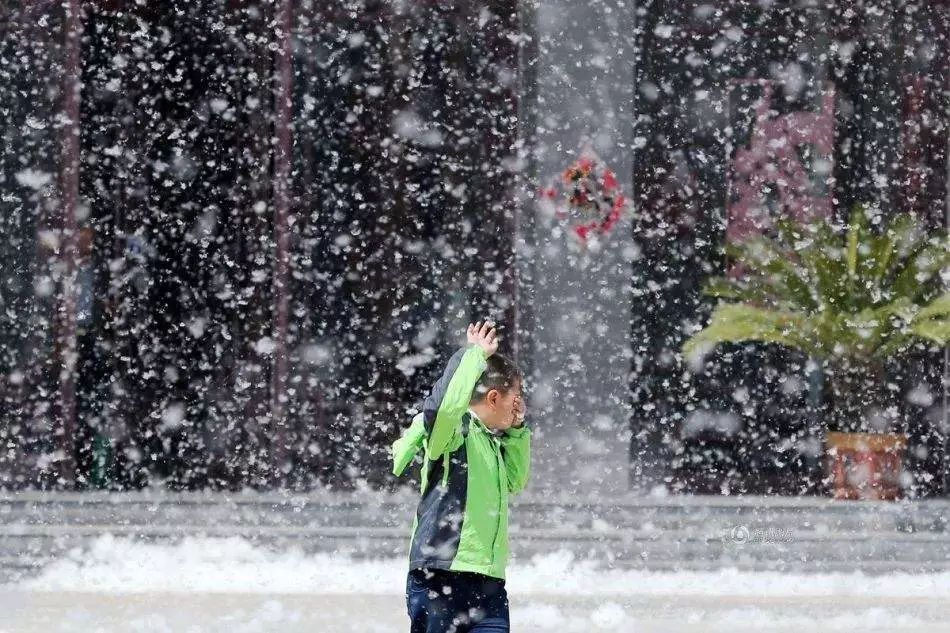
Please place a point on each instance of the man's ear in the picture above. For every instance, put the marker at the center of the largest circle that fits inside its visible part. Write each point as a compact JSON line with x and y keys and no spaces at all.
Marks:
{"x":492,"y":397}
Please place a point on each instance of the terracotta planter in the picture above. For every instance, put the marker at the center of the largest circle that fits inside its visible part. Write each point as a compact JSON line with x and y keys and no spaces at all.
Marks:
{"x":865,"y":465}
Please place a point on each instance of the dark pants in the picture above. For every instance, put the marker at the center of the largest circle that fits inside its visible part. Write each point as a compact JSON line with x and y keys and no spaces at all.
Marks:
{"x":456,"y":602}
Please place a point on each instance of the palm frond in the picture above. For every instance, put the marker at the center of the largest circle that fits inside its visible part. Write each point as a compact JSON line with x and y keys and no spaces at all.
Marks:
{"x":771,"y":278}
{"x":933,"y":320}
{"x":924,"y":263}
{"x":853,"y":291}
{"x":733,"y":323}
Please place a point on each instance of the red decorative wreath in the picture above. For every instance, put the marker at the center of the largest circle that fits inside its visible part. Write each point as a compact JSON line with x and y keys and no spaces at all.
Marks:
{"x":593,"y":202}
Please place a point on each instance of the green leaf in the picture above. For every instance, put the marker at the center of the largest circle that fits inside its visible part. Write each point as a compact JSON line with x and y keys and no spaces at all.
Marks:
{"x":933,"y":321}
{"x":834,"y":293}
{"x":733,"y":323}
{"x":857,"y":229}
{"x":921,"y":267}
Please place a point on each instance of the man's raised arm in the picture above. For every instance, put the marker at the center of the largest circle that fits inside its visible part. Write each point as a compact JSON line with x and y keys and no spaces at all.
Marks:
{"x":450,"y":396}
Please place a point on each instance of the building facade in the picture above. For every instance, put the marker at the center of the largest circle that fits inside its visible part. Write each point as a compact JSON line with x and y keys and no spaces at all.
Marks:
{"x":284,"y":213}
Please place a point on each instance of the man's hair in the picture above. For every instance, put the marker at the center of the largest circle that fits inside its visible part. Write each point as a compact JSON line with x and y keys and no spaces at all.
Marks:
{"x":501,"y":374}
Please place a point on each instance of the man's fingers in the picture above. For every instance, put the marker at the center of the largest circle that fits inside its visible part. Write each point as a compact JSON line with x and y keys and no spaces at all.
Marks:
{"x":483,"y":330}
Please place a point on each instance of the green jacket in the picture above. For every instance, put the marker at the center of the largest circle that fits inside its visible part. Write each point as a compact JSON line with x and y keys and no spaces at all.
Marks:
{"x":468,"y":472}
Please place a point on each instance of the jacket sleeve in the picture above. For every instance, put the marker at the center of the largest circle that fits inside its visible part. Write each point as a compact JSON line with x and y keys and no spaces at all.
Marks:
{"x":406,"y":447}
{"x":516,"y":447}
{"x":449,"y":399}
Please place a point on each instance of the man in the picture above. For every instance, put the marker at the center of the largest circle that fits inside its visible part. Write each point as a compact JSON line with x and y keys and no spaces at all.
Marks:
{"x":476,"y":452}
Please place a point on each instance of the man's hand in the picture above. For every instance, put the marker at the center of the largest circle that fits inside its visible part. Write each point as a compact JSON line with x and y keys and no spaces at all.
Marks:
{"x":518,"y":413}
{"x":483,"y":335}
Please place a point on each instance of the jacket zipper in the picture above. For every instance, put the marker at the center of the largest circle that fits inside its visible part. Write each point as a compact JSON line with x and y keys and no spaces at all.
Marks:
{"x":498,"y":465}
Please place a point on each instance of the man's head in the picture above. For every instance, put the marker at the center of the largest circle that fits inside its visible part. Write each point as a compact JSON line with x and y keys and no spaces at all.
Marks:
{"x":497,"y":399}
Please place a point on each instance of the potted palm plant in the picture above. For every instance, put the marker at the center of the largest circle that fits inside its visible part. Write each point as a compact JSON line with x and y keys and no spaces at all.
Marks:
{"x":850,"y":297}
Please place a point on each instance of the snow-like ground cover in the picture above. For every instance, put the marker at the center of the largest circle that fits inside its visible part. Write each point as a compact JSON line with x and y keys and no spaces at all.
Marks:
{"x":230,"y":585}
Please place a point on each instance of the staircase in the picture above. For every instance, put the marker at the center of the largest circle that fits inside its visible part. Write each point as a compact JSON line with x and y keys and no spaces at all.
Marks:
{"x":683,"y":533}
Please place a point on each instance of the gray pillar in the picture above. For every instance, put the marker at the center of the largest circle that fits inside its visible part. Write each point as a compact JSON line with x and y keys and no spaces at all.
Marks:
{"x":579,"y":298}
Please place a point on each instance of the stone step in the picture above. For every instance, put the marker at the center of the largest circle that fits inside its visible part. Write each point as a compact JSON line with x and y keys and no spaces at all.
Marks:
{"x":882,"y":517}
{"x":645,"y":533}
{"x":701,"y":560}
{"x":34,"y":539}
{"x":704,"y":534}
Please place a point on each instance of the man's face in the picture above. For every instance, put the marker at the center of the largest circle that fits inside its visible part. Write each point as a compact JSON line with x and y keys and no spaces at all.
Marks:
{"x":506,"y":408}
